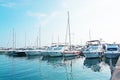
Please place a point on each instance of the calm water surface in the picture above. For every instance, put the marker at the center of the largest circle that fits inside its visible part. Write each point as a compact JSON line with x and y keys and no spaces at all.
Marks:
{"x":40,"y":68}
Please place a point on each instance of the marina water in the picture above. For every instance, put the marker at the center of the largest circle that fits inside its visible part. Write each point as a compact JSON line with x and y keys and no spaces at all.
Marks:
{"x":56,"y":68}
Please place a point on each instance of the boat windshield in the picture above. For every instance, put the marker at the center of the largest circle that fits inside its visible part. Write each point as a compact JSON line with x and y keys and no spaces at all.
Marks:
{"x":58,"y":48}
{"x":92,"y":48}
{"x":111,"y":49}
{"x":51,"y":48}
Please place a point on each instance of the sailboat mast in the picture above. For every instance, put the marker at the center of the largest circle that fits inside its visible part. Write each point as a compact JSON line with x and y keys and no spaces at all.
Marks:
{"x":13,"y":39}
{"x":39,"y":36}
{"x":52,"y":39}
{"x":37,"y":42}
{"x":25,"y":39}
{"x":66,"y":35}
{"x":69,"y":30}
{"x":89,"y":34}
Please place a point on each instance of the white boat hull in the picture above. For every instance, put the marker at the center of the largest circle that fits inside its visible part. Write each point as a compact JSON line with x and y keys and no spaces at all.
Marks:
{"x":45,"y":53}
{"x":92,"y":54}
{"x":55,"y":54}
{"x":33,"y":53}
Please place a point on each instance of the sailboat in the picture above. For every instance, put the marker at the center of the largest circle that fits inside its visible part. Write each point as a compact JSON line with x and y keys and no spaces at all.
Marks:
{"x":69,"y":51}
{"x":12,"y":50}
{"x":37,"y":51}
{"x":65,"y":49}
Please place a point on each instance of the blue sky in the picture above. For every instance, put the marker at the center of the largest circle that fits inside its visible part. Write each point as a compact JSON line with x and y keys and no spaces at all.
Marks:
{"x":27,"y":16}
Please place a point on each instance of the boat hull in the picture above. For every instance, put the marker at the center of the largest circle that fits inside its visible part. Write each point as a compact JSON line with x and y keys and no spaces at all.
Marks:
{"x":55,"y":54}
{"x":19,"y":54}
{"x":45,"y":53}
{"x":71,"y":53}
{"x":33,"y":53}
{"x":10,"y":52}
{"x":92,"y":54}
{"x":2,"y":51}
{"x":111,"y":55}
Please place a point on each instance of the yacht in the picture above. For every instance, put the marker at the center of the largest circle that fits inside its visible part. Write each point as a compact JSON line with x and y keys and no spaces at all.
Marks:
{"x":112,"y":51}
{"x":54,"y":50}
{"x":93,"y":49}
{"x":57,"y":50}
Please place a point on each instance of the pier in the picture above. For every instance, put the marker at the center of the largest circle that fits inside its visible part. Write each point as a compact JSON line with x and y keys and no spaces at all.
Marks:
{"x":116,"y":72}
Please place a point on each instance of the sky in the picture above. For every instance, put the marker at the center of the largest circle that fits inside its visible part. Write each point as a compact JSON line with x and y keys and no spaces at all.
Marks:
{"x":47,"y":20}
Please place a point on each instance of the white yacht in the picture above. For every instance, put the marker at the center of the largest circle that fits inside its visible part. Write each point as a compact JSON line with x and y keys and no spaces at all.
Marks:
{"x":93,"y":49}
{"x":53,"y":50}
{"x":60,"y":49}
{"x":56,"y":50}
{"x":112,"y":51}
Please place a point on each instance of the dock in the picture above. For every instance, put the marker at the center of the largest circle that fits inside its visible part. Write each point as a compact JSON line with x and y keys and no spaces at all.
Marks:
{"x":116,"y":72}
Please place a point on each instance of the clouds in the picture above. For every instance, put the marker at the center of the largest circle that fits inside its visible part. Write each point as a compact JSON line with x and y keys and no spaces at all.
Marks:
{"x":15,"y":3}
{"x":44,"y":18}
{"x":36,"y":15}
{"x":7,"y":4}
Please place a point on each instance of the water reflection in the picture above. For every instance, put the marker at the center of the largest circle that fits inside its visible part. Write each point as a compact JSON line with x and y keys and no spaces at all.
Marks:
{"x":94,"y":64}
{"x":65,"y":63}
{"x":55,"y":61}
{"x":57,"y":68}
{"x":97,"y":64}
{"x":34,"y":57}
{"x":112,"y":64}
{"x":61,"y":61}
